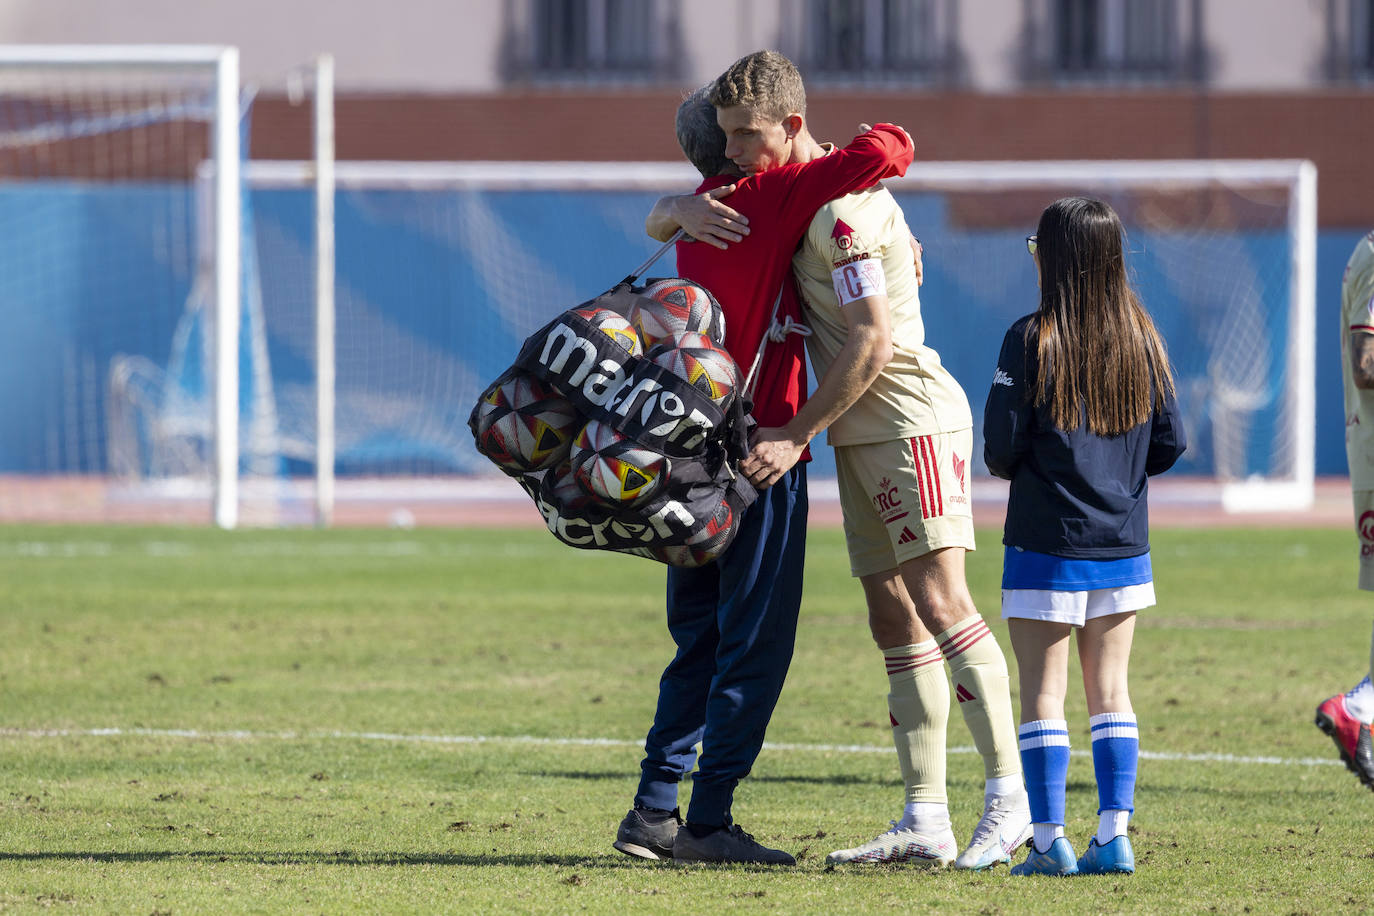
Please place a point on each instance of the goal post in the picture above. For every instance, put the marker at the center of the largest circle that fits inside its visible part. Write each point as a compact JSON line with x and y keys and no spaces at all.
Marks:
{"x":1244,"y":484}
{"x":104,"y":141}
{"x":445,"y":267}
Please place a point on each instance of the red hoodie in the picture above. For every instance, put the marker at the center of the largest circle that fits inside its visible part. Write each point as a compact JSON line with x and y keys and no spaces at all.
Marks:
{"x":745,"y":277}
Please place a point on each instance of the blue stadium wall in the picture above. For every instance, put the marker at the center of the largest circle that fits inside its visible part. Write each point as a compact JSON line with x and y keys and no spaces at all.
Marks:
{"x":88,"y":279}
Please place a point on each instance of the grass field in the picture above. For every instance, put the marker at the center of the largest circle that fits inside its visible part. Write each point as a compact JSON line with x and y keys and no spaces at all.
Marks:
{"x":450,"y":721}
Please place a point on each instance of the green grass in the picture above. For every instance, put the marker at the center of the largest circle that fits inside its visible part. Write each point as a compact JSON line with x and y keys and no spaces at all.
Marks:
{"x":299,"y":657}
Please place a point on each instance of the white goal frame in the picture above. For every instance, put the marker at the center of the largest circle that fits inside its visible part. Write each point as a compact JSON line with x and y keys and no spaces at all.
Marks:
{"x":222,"y":64}
{"x":1299,"y":177}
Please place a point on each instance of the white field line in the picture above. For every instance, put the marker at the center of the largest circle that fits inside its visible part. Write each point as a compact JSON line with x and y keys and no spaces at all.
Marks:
{"x":197,"y":734}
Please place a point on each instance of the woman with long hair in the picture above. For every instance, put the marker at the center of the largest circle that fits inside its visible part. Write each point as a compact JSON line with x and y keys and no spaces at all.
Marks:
{"x":1080,"y":413}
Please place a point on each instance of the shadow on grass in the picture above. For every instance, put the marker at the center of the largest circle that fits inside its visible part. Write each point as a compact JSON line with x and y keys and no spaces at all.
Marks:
{"x":836,"y":779}
{"x":629,"y":776}
{"x":344,"y":858}
{"x":632,"y":777}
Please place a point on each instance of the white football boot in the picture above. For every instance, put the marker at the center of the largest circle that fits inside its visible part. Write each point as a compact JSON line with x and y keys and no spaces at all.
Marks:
{"x":1005,"y":825}
{"x":902,"y":845}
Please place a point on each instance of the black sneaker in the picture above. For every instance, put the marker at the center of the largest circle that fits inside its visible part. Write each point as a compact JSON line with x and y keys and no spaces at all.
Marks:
{"x":648,"y":833}
{"x":727,"y":844}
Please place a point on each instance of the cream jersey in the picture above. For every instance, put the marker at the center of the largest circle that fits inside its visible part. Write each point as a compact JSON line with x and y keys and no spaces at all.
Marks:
{"x":858,"y":246}
{"x":1357,"y":316}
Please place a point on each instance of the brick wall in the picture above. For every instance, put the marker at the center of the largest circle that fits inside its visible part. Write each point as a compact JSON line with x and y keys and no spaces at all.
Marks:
{"x":1335,"y":130}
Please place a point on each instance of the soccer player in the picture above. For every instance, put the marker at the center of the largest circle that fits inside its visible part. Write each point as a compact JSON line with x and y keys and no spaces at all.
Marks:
{"x":1081,"y":411}
{"x":902,"y":432}
{"x":1346,"y":717}
{"x":734,"y":620}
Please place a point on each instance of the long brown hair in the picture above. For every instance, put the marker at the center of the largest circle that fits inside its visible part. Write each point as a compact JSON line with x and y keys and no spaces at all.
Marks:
{"x":1101,"y":359}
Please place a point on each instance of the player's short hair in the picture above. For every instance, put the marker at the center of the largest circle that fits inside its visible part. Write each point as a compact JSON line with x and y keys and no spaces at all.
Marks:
{"x":701,"y":139}
{"x":765,"y":82}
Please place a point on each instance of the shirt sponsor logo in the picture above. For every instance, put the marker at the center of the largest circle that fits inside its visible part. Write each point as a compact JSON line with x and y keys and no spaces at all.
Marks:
{"x":959,"y":465}
{"x":861,"y":256}
{"x":843,"y":235}
{"x":1001,"y":378}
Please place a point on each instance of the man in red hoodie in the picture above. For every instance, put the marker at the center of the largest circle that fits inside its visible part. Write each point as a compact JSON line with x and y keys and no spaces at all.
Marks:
{"x":734,"y":620}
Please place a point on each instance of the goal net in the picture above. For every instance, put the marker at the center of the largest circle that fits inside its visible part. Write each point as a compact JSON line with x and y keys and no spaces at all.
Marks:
{"x":444,"y":268}
{"x":1223,"y":256}
{"x":108,"y":294}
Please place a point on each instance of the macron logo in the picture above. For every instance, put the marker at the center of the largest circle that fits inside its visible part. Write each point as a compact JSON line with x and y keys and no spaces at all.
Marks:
{"x":1001,"y":378}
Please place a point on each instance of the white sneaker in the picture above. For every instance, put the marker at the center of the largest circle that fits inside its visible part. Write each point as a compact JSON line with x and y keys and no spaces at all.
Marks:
{"x":901,"y":844}
{"x":1005,"y":825}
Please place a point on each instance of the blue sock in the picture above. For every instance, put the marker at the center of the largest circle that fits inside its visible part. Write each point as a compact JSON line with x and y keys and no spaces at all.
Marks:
{"x":1045,"y":761}
{"x":1116,"y":748}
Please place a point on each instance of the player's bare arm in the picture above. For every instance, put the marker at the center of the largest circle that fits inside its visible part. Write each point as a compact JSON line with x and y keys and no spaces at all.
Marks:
{"x":1362,"y":359}
{"x":702,"y":216}
{"x":867,"y":349}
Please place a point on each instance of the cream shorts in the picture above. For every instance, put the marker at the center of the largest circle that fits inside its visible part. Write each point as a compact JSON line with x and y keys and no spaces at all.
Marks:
{"x":905,"y":498}
{"x":1075,"y":608}
{"x":1364,"y":529}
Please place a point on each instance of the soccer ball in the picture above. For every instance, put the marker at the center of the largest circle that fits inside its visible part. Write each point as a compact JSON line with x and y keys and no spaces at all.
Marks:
{"x":716,"y":533}
{"x":704,"y":546}
{"x":675,"y":306}
{"x":561,"y":488}
{"x":705,"y":366}
{"x":524,"y":425}
{"x":615,"y":326}
{"x":615,"y":470}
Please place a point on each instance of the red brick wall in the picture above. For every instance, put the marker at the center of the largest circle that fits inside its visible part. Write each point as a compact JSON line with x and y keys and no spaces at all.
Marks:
{"x":1335,"y":130}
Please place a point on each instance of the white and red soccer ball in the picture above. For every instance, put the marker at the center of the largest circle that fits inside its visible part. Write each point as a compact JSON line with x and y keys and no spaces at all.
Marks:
{"x":676,"y":306}
{"x":615,"y":326}
{"x":701,"y":363}
{"x":524,"y":425}
{"x":614,"y":469}
{"x":704,"y":546}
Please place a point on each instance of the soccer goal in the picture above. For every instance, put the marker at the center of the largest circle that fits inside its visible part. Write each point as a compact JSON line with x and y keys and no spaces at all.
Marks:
{"x":99,"y":149}
{"x":444,"y":268}
{"x":1223,"y":254}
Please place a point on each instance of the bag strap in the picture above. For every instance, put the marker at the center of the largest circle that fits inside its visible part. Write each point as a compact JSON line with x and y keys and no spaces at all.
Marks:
{"x":639,"y":271}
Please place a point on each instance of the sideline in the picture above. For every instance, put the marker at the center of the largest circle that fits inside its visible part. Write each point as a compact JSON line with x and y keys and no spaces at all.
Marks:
{"x":197,"y":734}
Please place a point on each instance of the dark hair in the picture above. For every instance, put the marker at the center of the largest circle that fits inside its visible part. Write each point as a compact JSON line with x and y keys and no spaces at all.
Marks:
{"x":701,"y":139}
{"x":1101,"y":359}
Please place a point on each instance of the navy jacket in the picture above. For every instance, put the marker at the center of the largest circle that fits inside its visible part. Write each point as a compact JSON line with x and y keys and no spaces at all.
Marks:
{"x":1073,"y":494}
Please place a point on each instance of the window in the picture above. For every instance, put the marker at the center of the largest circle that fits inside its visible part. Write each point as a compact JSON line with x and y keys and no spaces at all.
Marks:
{"x":1362,"y":33}
{"x":1350,"y":39}
{"x":594,"y":41}
{"x":875,"y":41}
{"x":1116,"y":41}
